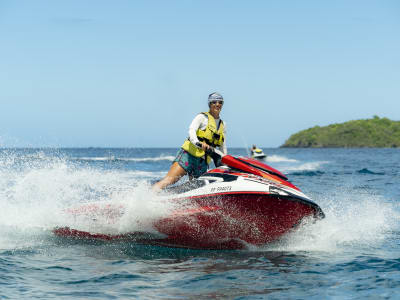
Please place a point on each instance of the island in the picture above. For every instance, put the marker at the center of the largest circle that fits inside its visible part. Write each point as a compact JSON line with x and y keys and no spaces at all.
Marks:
{"x":372,"y":133}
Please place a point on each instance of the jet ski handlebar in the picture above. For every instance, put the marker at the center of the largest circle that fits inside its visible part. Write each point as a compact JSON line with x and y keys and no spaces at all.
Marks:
{"x":215,"y":154}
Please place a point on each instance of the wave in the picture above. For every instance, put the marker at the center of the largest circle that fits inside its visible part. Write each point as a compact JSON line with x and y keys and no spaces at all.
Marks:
{"x":34,"y":190}
{"x":278,"y":158}
{"x":310,"y":166}
{"x":307,"y":173}
{"x":353,"y":221}
{"x":367,"y":171}
{"x":113,"y":158}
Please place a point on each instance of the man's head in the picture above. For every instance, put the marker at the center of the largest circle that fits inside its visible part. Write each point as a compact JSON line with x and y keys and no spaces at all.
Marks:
{"x":214,"y":98}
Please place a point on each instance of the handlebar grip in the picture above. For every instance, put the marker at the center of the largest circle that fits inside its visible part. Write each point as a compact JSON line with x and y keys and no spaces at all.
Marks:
{"x":209,"y":151}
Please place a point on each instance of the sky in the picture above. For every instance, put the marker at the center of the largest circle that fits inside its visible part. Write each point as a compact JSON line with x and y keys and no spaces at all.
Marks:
{"x":135,"y":73}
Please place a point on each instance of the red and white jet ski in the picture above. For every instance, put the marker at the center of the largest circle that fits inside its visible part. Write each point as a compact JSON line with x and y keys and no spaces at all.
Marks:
{"x":243,"y":202}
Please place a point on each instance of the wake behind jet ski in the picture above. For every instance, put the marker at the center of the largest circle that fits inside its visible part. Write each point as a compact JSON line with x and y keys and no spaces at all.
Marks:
{"x":240,"y":203}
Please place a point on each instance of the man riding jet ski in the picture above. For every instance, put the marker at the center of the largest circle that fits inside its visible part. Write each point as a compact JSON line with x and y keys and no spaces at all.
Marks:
{"x":257,"y":153}
{"x":206,"y":130}
{"x":240,"y":203}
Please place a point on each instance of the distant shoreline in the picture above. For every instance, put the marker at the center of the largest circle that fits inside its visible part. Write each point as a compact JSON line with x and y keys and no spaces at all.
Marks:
{"x":176,"y":148}
{"x":369,"y":133}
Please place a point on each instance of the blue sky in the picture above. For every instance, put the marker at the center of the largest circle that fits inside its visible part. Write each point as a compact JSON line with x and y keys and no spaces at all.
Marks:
{"x":135,"y":73}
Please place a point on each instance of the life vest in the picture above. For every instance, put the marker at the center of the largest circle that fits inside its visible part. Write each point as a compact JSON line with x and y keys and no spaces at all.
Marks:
{"x":257,"y":150}
{"x":212,"y":135}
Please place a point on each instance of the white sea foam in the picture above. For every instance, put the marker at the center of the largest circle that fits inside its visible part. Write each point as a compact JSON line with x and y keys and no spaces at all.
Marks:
{"x":309,"y":166}
{"x":167,"y":157}
{"x":134,"y":159}
{"x":278,"y":158}
{"x":35,"y":194}
{"x":351,"y":221}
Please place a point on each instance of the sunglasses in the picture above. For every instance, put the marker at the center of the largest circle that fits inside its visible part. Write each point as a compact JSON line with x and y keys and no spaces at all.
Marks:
{"x":215,"y":102}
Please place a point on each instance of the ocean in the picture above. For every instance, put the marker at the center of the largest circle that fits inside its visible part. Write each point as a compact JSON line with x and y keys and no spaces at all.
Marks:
{"x":354,"y":253}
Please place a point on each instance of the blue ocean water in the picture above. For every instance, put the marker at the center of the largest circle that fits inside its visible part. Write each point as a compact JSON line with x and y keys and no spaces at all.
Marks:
{"x":354,"y":253}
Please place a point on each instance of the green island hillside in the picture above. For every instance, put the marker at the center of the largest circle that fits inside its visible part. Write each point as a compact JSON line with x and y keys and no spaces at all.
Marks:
{"x":376,"y":132}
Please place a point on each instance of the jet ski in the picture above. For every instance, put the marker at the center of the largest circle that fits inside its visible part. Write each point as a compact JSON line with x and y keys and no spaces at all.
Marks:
{"x":240,"y":203}
{"x":258,"y":154}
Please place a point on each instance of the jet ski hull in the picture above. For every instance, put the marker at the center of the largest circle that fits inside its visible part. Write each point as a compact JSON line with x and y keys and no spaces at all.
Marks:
{"x":237,"y":220}
{"x":259,"y":156}
{"x":220,"y":221}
